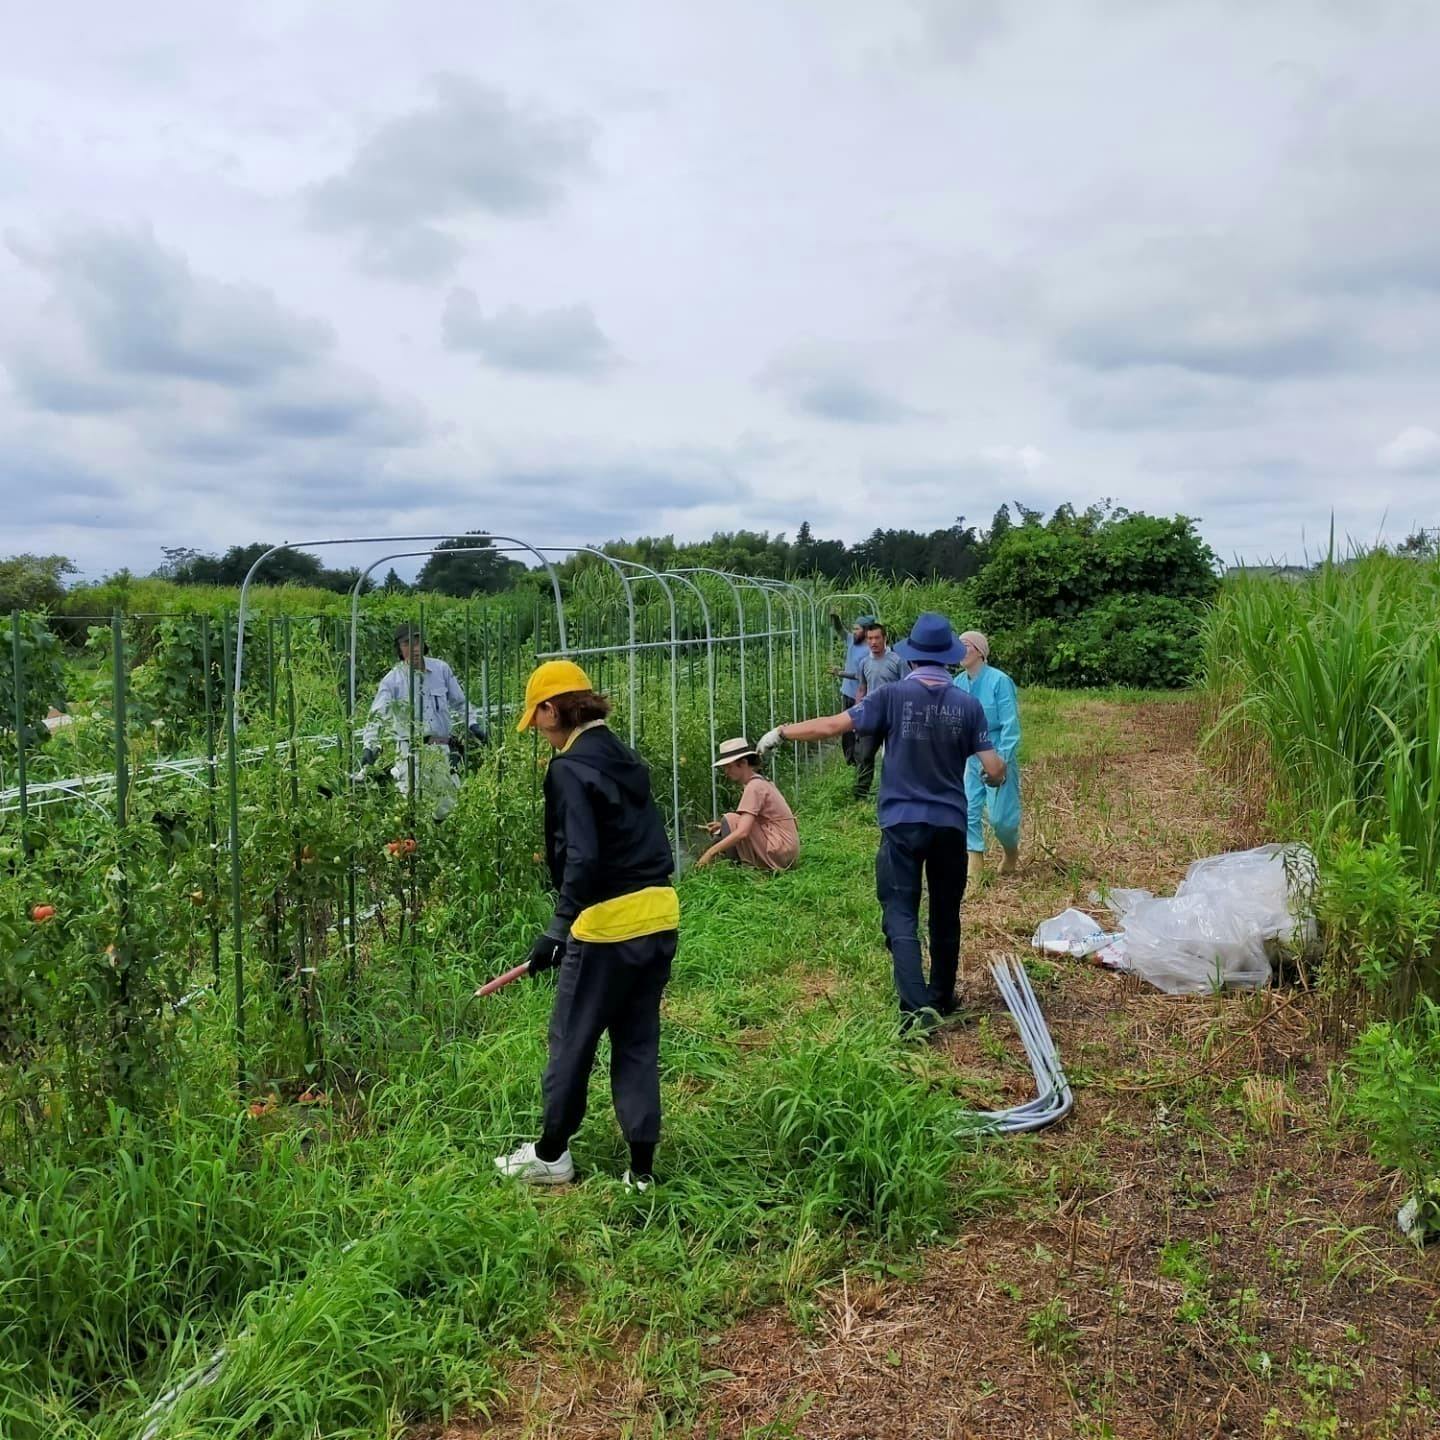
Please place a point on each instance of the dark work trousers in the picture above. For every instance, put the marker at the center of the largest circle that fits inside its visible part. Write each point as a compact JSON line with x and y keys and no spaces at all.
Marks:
{"x":867,"y":747}
{"x":847,"y":740}
{"x":907,"y":851}
{"x":614,"y":987}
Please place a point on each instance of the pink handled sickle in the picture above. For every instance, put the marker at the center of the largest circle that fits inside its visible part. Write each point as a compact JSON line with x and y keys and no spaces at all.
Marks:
{"x":500,"y":981}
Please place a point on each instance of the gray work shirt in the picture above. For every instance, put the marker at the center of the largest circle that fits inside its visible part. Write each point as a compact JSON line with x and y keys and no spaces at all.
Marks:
{"x":878,"y":672}
{"x":437,"y":695}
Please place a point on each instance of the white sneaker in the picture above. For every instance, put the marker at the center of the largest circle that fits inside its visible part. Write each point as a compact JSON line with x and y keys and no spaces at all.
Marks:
{"x":526,"y":1165}
{"x":637,"y":1183}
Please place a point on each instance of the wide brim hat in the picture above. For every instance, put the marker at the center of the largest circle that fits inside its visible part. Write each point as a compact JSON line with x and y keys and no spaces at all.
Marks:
{"x":931,"y":641}
{"x":737,"y":749}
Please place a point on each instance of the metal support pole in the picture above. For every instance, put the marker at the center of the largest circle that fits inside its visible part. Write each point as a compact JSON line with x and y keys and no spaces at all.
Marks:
{"x":236,"y":910}
{"x":212,"y":824}
{"x":18,"y":695}
{"x":710,"y":690}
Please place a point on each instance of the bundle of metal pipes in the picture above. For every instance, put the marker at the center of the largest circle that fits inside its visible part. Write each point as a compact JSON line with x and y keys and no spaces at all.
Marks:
{"x":1054,"y":1100}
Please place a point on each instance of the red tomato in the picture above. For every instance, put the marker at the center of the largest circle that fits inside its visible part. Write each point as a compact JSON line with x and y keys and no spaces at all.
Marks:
{"x":41,"y":913}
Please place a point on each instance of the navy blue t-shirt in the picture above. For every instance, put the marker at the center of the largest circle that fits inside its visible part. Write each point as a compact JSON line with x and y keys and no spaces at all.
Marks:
{"x":931,"y":728}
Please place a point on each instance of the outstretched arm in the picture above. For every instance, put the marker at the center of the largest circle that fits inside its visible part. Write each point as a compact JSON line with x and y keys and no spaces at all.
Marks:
{"x":825,"y":727}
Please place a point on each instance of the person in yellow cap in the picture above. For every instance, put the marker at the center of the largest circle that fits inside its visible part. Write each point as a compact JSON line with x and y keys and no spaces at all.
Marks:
{"x":614,"y":930}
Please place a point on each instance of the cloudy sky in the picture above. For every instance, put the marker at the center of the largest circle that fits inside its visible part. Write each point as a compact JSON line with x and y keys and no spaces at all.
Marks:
{"x":572,"y":271}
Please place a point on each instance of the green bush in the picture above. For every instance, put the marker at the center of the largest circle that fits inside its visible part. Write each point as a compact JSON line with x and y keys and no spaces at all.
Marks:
{"x":1060,"y":570}
{"x":1397,"y":1100}
{"x":1381,"y":921}
{"x":1143,"y":641}
{"x":44,"y":680}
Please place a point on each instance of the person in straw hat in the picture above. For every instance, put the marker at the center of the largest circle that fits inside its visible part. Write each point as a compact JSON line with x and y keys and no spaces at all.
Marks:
{"x":995,"y":691}
{"x":761,"y":830}
{"x":614,"y":931}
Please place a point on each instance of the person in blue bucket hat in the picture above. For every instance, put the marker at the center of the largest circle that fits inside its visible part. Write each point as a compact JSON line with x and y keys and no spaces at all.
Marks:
{"x":931,"y":728}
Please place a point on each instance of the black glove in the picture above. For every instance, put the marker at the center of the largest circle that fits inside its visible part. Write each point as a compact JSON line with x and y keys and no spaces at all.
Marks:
{"x":477,"y":731}
{"x":368,"y":757}
{"x":546,"y":953}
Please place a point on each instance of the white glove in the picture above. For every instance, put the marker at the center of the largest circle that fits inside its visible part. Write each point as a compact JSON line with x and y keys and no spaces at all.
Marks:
{"x":770,"y":740}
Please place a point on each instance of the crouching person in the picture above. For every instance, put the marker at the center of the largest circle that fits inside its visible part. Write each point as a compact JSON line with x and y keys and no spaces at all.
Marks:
{"x":614,"y":930}
{"x":761,"y":830}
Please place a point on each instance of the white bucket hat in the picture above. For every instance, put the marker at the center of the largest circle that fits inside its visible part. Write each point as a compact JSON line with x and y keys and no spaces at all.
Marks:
{"x":737,"y":749}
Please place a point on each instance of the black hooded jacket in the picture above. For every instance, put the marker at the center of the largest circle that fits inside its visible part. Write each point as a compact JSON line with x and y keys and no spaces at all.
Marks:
{"x":603,"y":833}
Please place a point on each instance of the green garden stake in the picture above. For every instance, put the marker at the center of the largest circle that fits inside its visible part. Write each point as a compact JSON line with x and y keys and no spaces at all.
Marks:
{"x":212,"y":827}
{"x":18,"y":694}
{"x":236,"y":910}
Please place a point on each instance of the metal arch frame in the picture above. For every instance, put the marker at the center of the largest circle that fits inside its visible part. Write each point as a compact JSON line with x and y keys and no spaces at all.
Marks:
{"x":739,"y":634}
{"x":809,"y":599}
{"x":709,"y":683}
{"x":767,"y":593}
{"x":646,"y":573}
{"x":374,"y":540}
{"x":779,"y":589}
{"x":620,"y":567}
{"x":504,"y":550}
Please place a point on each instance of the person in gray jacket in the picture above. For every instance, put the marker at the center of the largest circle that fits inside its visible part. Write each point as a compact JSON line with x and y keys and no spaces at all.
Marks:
{"x":437,"y":699}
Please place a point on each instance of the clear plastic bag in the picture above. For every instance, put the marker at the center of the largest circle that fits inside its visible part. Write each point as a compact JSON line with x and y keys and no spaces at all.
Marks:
{"x":1072,"y":932}
{"x":1120,"y":901}
{"x":1191,"y":944}
{"x":1266,"y":887}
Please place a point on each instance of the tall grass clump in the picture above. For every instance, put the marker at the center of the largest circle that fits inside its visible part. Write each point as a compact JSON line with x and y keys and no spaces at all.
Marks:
{"x":870,"y":1145}
{"x":1329,"y":693}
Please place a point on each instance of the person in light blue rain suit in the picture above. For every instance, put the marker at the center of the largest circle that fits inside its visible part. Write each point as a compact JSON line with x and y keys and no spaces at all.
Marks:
{"x":995,"y":691}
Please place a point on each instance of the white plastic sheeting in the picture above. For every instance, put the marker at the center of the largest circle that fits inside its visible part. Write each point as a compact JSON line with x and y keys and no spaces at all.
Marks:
{"x":1220,"y":928}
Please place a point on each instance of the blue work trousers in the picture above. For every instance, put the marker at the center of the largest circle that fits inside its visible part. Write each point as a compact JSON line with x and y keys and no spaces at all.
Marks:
{"x":907,"y":854}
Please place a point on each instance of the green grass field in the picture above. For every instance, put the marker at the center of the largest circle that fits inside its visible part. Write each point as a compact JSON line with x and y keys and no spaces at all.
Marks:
{"x":823,"y":1244}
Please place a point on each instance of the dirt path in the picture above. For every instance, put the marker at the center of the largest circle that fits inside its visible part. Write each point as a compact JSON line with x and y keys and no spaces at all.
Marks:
{"x":1206,"y":1251}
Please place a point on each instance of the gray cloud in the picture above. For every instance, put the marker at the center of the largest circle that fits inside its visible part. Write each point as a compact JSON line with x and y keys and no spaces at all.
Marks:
{"x":564,"y":341}
{"x":336,"y":407}
{"x":470,"y":150}
{"x":47,"y":381}
{"x":414,"y":252}
{"x":1252,"y":337}
{"x":831,"y":394}
{"x":627,"y":489}
{"x":1157,"y":398}
{"x":142,"y":312}
{"x":957,"y":30}
{"x":216,"y":389}
{"x":47,"y":490}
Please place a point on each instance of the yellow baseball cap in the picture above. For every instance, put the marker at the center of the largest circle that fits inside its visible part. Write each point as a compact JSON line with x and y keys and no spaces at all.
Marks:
{"x":554,"y":677}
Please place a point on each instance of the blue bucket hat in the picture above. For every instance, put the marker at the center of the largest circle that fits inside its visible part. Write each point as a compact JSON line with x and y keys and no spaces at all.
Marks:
{"x":931,"y":641}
